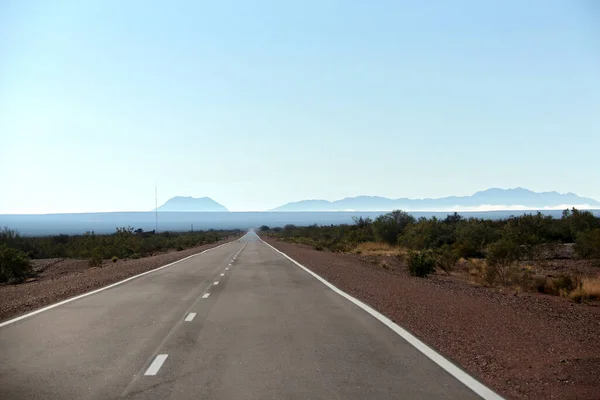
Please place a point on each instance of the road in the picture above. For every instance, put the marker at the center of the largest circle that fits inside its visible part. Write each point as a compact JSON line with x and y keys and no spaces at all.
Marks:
{"x":240,"y":321}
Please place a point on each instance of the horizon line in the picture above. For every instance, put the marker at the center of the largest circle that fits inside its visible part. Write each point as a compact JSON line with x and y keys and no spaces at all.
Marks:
{"x":475,"y":209}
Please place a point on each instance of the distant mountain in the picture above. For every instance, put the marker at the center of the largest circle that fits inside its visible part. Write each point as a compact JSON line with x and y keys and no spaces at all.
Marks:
{"x":494,"y":198}
{"x":191,"y":204}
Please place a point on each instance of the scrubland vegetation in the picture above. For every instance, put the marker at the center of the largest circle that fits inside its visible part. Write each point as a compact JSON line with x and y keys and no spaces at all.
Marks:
{"x":16,"y":250}
{"x":494,"y":253}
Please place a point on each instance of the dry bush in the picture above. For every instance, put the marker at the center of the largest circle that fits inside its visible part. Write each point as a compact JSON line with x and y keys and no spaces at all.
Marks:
{"x":378,"y":249}
{"x":588,"y":289}
{"x":592,"y":287}
{"x":383,"y":264}
{"x":506,"y":275}
{"x":561,"y":285}
{"x":477,"y":267}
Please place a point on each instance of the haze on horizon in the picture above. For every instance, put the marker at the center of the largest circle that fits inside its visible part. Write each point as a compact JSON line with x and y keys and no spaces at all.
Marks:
{"x":259,"y":104}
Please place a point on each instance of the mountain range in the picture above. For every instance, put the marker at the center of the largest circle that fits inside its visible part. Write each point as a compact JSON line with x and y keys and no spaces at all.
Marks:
{"x":492,"y":199}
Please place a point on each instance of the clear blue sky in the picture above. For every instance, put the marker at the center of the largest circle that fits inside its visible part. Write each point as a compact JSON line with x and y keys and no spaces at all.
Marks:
{"x":257,"y":103}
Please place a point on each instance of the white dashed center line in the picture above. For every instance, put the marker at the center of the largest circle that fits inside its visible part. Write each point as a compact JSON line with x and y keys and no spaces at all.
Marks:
{"x":205,"y":295}
{"x":156,"y":364}
{"x":190,"y":317}
{"x":222,"y":274}
{"x":226,"y":268}
{"x":216,"y":283}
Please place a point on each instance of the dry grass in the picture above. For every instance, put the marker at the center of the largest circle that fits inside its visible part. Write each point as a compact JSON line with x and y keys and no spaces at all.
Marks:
{"x":588,"y":290}
{"x":592,"y":286}
{"x":473,"y":266}
{"x":378,"y":249}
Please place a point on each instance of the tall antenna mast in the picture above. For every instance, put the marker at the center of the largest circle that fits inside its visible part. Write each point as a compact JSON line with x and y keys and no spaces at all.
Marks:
{"x":156,"y":207}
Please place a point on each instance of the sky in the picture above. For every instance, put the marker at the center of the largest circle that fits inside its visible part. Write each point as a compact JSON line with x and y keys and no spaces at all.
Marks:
{"x":256,"y":104}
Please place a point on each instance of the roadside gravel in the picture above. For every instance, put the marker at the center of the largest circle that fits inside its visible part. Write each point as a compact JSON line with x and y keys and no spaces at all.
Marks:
{"x":61,"y":279}
{"x":528,"y":346}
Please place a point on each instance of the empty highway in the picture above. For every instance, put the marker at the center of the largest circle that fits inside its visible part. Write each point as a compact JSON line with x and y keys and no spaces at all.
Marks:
{"x":240,"y":321}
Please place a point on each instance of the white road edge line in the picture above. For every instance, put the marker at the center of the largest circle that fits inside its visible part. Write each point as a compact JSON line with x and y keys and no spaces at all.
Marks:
{"x":216,"y":283}
{"x":60,"y":303}
{"x":190,"y":317}
{"x":205,"y":295}
{"x":466,"y":379}
{"x":156,"y":364}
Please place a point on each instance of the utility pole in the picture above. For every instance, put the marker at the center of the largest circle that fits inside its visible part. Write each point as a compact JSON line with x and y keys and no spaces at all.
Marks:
{"x":156,"y":207}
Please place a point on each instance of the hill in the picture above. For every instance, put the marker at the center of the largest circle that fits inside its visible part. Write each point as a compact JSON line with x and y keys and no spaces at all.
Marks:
{"x":191,"y":204}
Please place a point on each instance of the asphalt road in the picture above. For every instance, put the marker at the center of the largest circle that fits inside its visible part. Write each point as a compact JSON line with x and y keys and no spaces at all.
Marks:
{"x":216,"y":326}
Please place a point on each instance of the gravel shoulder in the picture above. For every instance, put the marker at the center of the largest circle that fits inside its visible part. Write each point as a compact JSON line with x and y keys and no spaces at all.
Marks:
{"x":525,"y":346}
{"x":60,"y":279}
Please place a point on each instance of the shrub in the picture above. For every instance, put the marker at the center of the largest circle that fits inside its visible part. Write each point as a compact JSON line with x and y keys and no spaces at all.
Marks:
{"x":539,"y":284}
{"x":14,"y":265}
{"x":95,"y":262}
{"x":576,"y":221}
{"x":473,"y":235}
{"x":115,"y":259}
{"x":490,"y":275}
{"x":560,"y":285}
{"x":383,"y":264}
{"x":420,"y":263}
{"x":122,"y":244}
{"x":428,"y":233}
{"x":588,"y":244}
{"x":446,"y":258}
{"x":11,"y":238}
{"x":566,"y":283}
{"x":503,"y":252}
{"x":96,"y":258}
{"x":588,"y":289}
{"x":388,"y":227}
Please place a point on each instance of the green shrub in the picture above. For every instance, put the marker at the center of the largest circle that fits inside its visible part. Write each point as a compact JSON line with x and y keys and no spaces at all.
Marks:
{"x":429,"y":233}
{"x":388,"y":227}
{"x":115,"y":259}
{"x":576,"y":222}
{"x":566,"y":283}
{"x":503,"y":252}
{"x":14,"y":265}
{"x":468,"y":238}
{"x":587,"y":244}
{"x":446,"y":258}
{"x":420,"y":263}
{"x":96,"y":257}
